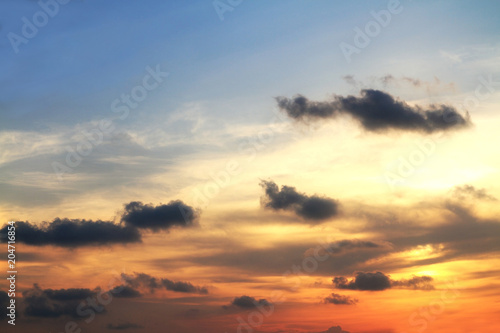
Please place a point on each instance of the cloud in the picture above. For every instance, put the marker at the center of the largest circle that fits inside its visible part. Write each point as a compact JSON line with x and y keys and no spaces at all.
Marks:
{"x":124,"y":326}
{"x":51,"y":303}
{"x":145,"y":281}
{"x":333,"y":329}
{"x":377,"y":111}
{"x":125,"y":292}
{"x":347,"y":245}
{"x":247,"y":302}
{"x":4,"y":303}
{"x":73,"y":233}
{"x":161,"y":217}
{"x":455,"y":233}
{"x":468,"y":191}
{"x":308,"y":207}
{"x":340,"y":300}
{"x":416,"y":282}
{"x":379,"y":281}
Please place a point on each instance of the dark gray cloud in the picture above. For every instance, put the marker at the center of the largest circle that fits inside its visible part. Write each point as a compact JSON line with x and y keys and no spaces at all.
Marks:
{"x":68,"y":294}
{"x":145,"y":281}
{"x":160,"y":217}
{"x":334,"y":329}
{"x":73,"y":233}
{"x":4,"y":303}
{"x":379,"y":281}
{"x":123,"y":326}
{"x":468,"y":191}
{"x":247,"y":302}
{"x":125,"y":292}
{"x":377,"y":111}
{"x":416,"y":282}
{"x":51,"y":303}
{"x":340,"y":300}
{"x":309,"y":207}
{"x":364,"y":281}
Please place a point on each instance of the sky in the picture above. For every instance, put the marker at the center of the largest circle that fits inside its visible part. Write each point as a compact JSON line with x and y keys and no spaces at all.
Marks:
{"x":250,"y":166}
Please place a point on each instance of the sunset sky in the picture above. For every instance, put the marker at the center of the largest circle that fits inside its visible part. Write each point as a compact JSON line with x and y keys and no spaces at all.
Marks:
{"x":251,"y":166}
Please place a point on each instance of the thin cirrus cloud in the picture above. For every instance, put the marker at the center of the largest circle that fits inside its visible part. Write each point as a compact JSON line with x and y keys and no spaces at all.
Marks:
{"x":308,"y":207}
{"x":377,"y":111}
{"x":75,"y":233}
{"x":379,"y":281}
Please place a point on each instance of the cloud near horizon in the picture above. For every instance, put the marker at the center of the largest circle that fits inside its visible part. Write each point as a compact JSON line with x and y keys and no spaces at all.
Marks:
{"x":377,"y":111}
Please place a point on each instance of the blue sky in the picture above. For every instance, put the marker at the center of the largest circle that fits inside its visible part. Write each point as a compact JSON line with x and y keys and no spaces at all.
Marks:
{"x":92,"y":51}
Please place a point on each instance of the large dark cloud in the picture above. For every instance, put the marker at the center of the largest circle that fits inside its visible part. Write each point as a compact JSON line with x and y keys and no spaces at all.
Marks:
{"x":160,"y":217}
{"x":51,"y":303}
{"x":340,"y":300}
{"x":308,"y":207}
{"x":377,"y":111}
{"x":379,"y":281}
{"x":247,"y":302}
{"x":150,"y":283}
{"x":73,"y":233}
